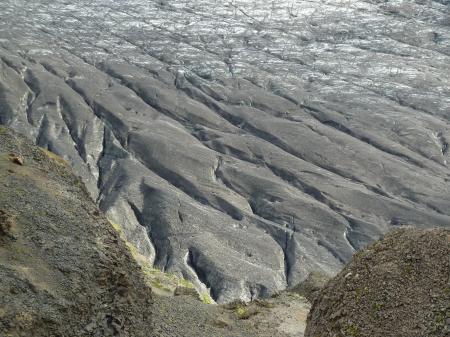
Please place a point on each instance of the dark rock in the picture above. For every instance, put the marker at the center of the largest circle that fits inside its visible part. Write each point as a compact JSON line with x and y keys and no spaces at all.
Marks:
{"x":16,"y":159}
{"x":7,"y":225}
{"x":383,"y":293}
{"x":61,"y":276}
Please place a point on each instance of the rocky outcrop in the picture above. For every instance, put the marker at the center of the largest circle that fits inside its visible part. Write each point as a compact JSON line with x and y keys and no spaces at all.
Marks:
{"x":63,"y":269}
{"x":399,"y":286}
{"x":239,"y":144}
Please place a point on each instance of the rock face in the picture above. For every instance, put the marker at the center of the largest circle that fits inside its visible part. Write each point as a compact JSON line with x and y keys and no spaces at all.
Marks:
{"x":63,"y":270}
{"x":400,"y":286}
{"x":240,"y":144}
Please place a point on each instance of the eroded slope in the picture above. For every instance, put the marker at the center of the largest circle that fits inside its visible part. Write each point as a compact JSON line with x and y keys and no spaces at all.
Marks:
{"x":243,"y":144}
{"x":63,"y":269}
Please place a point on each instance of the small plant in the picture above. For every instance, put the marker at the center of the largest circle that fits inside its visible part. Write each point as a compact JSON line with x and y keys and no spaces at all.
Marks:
{"x":361,"y":293}
{"x":377,"y":306}
{"x":439,"y":323}
{"x":447,"y":291}
{"x":243,"y":311}
{"x":206,"y":298}
{"x":407,"y":270}
{"x":350,"y":330}
{"x":156,"y":283}
{"x":117,"y":228}
{"x":54,"y":157}
{"x":186,"y":284}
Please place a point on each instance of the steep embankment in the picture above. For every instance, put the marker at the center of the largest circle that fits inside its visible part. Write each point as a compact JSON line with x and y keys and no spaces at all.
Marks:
{"x":398,"y":287}
{"x":63,"y":269}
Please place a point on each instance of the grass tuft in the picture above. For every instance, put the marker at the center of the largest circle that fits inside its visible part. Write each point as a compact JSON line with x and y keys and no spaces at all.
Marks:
{"x":206,"y":298}
{"x":54,"y":157}
{"x":350,"y":330}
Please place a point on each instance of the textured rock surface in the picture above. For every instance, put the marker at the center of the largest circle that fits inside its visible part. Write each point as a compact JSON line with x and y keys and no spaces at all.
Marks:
{"x":63,"y":269}
{"x":240,"y":144}
{"x":398,"y":287}
{"x":281,"y":316}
